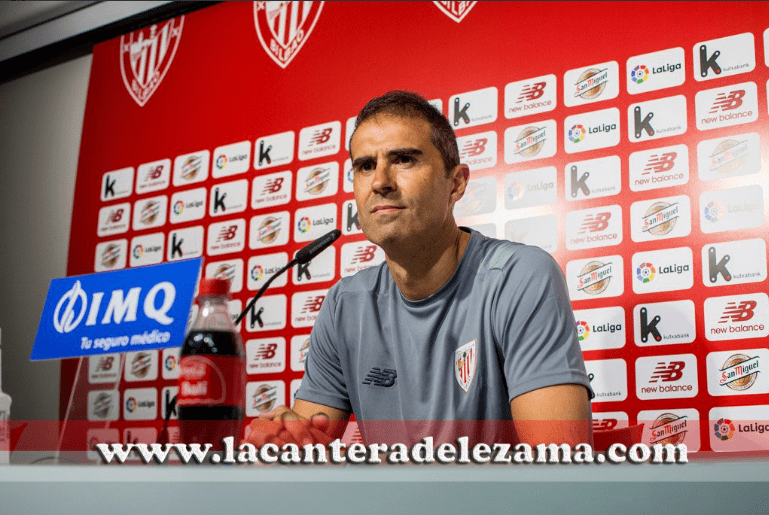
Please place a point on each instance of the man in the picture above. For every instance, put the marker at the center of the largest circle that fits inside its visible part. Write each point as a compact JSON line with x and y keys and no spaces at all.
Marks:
{"x":454,"y":326}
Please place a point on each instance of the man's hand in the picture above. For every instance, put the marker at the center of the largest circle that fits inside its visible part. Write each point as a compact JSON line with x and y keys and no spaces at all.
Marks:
{"x":282,"y":425}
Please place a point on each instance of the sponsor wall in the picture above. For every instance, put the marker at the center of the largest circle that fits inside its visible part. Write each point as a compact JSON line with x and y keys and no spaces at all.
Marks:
{"x":637,"y":162}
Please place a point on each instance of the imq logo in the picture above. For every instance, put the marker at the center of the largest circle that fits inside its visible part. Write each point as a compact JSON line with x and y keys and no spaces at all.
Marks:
{"x":659,"y":219}
{"x":530,"y":142}
{"x":655,"y":71}
{"x":657,"y":119}
{"x":531,"y":96}
{"x":596,"y":227}
{"x":146,"y":55}
{"x":228,"y":198}
{"x":191,"y":168}
{"x":666,"y":377}
{"x":117,"y":184}
{"x":595,"y":277}
{"x":478,"y":151}
{"x":663,"y":270}
{"x":734,"y":262}
{"x":734,"y":156}
{"x":737,"y":317}
{"x":284,"y":27}
{"x":738,"y":372}
{"x":724,"y":57}
{"x":726,"y":106}
{"x":591,"y":84}
{"x":75,"y":307}
{"x":274,"y":150}
{"x":591,"y":131}
{"x":593,"y":178}
{"x":732,"y":209}
{"x":185,"y":243}
{"x":659,"y":168}
{"x":664,"y":323}
{"x":473,"y":108}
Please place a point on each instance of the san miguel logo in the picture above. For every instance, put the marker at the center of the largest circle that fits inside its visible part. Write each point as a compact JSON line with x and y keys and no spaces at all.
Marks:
{"x":284,"y":27}
{"x":455,"y":10}
{"x":594,"y":277}
{"x":739,"y":372}
{"x":146,"y":55}
{"x":669,"y":428}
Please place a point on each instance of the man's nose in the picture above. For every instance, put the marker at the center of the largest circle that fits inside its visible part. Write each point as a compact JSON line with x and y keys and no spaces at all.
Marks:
{"x":384,"y":179}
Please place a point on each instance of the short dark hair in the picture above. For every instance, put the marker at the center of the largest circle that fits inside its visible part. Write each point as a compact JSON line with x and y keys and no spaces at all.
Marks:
{"x":412,"y":105}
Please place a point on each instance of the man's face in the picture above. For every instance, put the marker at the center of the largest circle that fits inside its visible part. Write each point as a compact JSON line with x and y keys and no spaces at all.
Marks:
{"x":402,"y":190}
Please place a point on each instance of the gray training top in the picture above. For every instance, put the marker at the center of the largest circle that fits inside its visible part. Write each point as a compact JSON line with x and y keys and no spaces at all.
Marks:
{"x":500,"y":327}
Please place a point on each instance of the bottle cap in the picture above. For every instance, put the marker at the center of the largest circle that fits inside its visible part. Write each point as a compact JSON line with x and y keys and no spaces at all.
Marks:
{"x":214,"y":287}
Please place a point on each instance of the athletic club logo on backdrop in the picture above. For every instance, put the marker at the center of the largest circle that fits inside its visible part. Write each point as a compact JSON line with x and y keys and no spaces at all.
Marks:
{"x":146,"y":55}
{"x":455,"y":10}
{"x":283,"y":27}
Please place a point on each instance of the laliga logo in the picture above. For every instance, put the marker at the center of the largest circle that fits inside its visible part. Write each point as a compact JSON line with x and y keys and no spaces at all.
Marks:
{"x":645,"y":272}
{"x":119,"y":309}
{"x":639,"y":74}
{"x":576,"y":133}
{"x":221,"y":161}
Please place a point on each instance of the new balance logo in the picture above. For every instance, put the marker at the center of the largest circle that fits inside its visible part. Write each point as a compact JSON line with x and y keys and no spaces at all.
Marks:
{"x":642,"y":124}
{"x":668,"y":372}
{"x":708,"y":63}
{"x":604,"y":424}
{"x":227,"y":233}
{"x":266,"y":351}
{"x":264,"y":154}
{"x":105,"y":364}
{"x":474,"y":147}
{"x":741,"y":312}
{"x":313,"y":304}
{"x":461,"y":114}
{"x":154,"y":173}
{"x":596,"y":223}
{"x":116,"y":216}
{"x":531,"y":92}
{"x":727,"y":102}
{"x":579,"y":184}
{"x":716,"y":267}
{"x":364,"y":255}
{"x":649,"y":329}
{"x":660,"y":163}
{"x":273,"y":186}
{"x":320,"y":137}
{"x":381,"y":377}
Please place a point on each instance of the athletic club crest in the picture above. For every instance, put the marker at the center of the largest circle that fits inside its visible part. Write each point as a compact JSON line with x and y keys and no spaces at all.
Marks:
{"x":284,"y":27}
{"x":465,"y":359}
{"x":146,"y":55}
{"x":455,"y":10}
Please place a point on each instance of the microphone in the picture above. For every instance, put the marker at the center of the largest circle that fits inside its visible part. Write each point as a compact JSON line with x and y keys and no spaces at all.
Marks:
{"x":302,"y":257}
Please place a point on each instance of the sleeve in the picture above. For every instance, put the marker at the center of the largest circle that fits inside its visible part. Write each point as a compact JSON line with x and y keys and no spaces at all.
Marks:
{"x":534,"y":325}
{"x":323,"y":381}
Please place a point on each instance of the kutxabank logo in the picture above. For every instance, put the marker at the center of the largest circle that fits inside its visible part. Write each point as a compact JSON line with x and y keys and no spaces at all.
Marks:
{"x":146,"y":55}
{"x":284,"y":27}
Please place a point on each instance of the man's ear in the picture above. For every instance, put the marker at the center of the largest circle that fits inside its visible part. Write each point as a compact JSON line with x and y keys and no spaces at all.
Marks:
{"x":460,"y":174}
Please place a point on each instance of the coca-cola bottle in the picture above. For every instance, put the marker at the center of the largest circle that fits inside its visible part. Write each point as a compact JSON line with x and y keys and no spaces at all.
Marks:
{"x":212,"y":372}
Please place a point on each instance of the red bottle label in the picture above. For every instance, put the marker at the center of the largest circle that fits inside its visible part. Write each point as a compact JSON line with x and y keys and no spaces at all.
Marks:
{"x":206,"y":380}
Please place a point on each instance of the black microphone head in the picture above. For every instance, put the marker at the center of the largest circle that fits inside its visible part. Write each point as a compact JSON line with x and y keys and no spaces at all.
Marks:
{"x":317,"y":246}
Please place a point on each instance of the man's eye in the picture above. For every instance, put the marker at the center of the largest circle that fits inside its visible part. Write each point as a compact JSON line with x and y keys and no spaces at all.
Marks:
{"x":404,"y":160}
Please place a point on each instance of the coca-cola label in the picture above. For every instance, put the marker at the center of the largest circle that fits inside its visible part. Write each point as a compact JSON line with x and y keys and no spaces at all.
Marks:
{"x":211,"y":380}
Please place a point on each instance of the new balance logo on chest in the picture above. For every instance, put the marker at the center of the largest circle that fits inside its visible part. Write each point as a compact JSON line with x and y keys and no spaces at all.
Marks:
{"x":381,"y":377}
